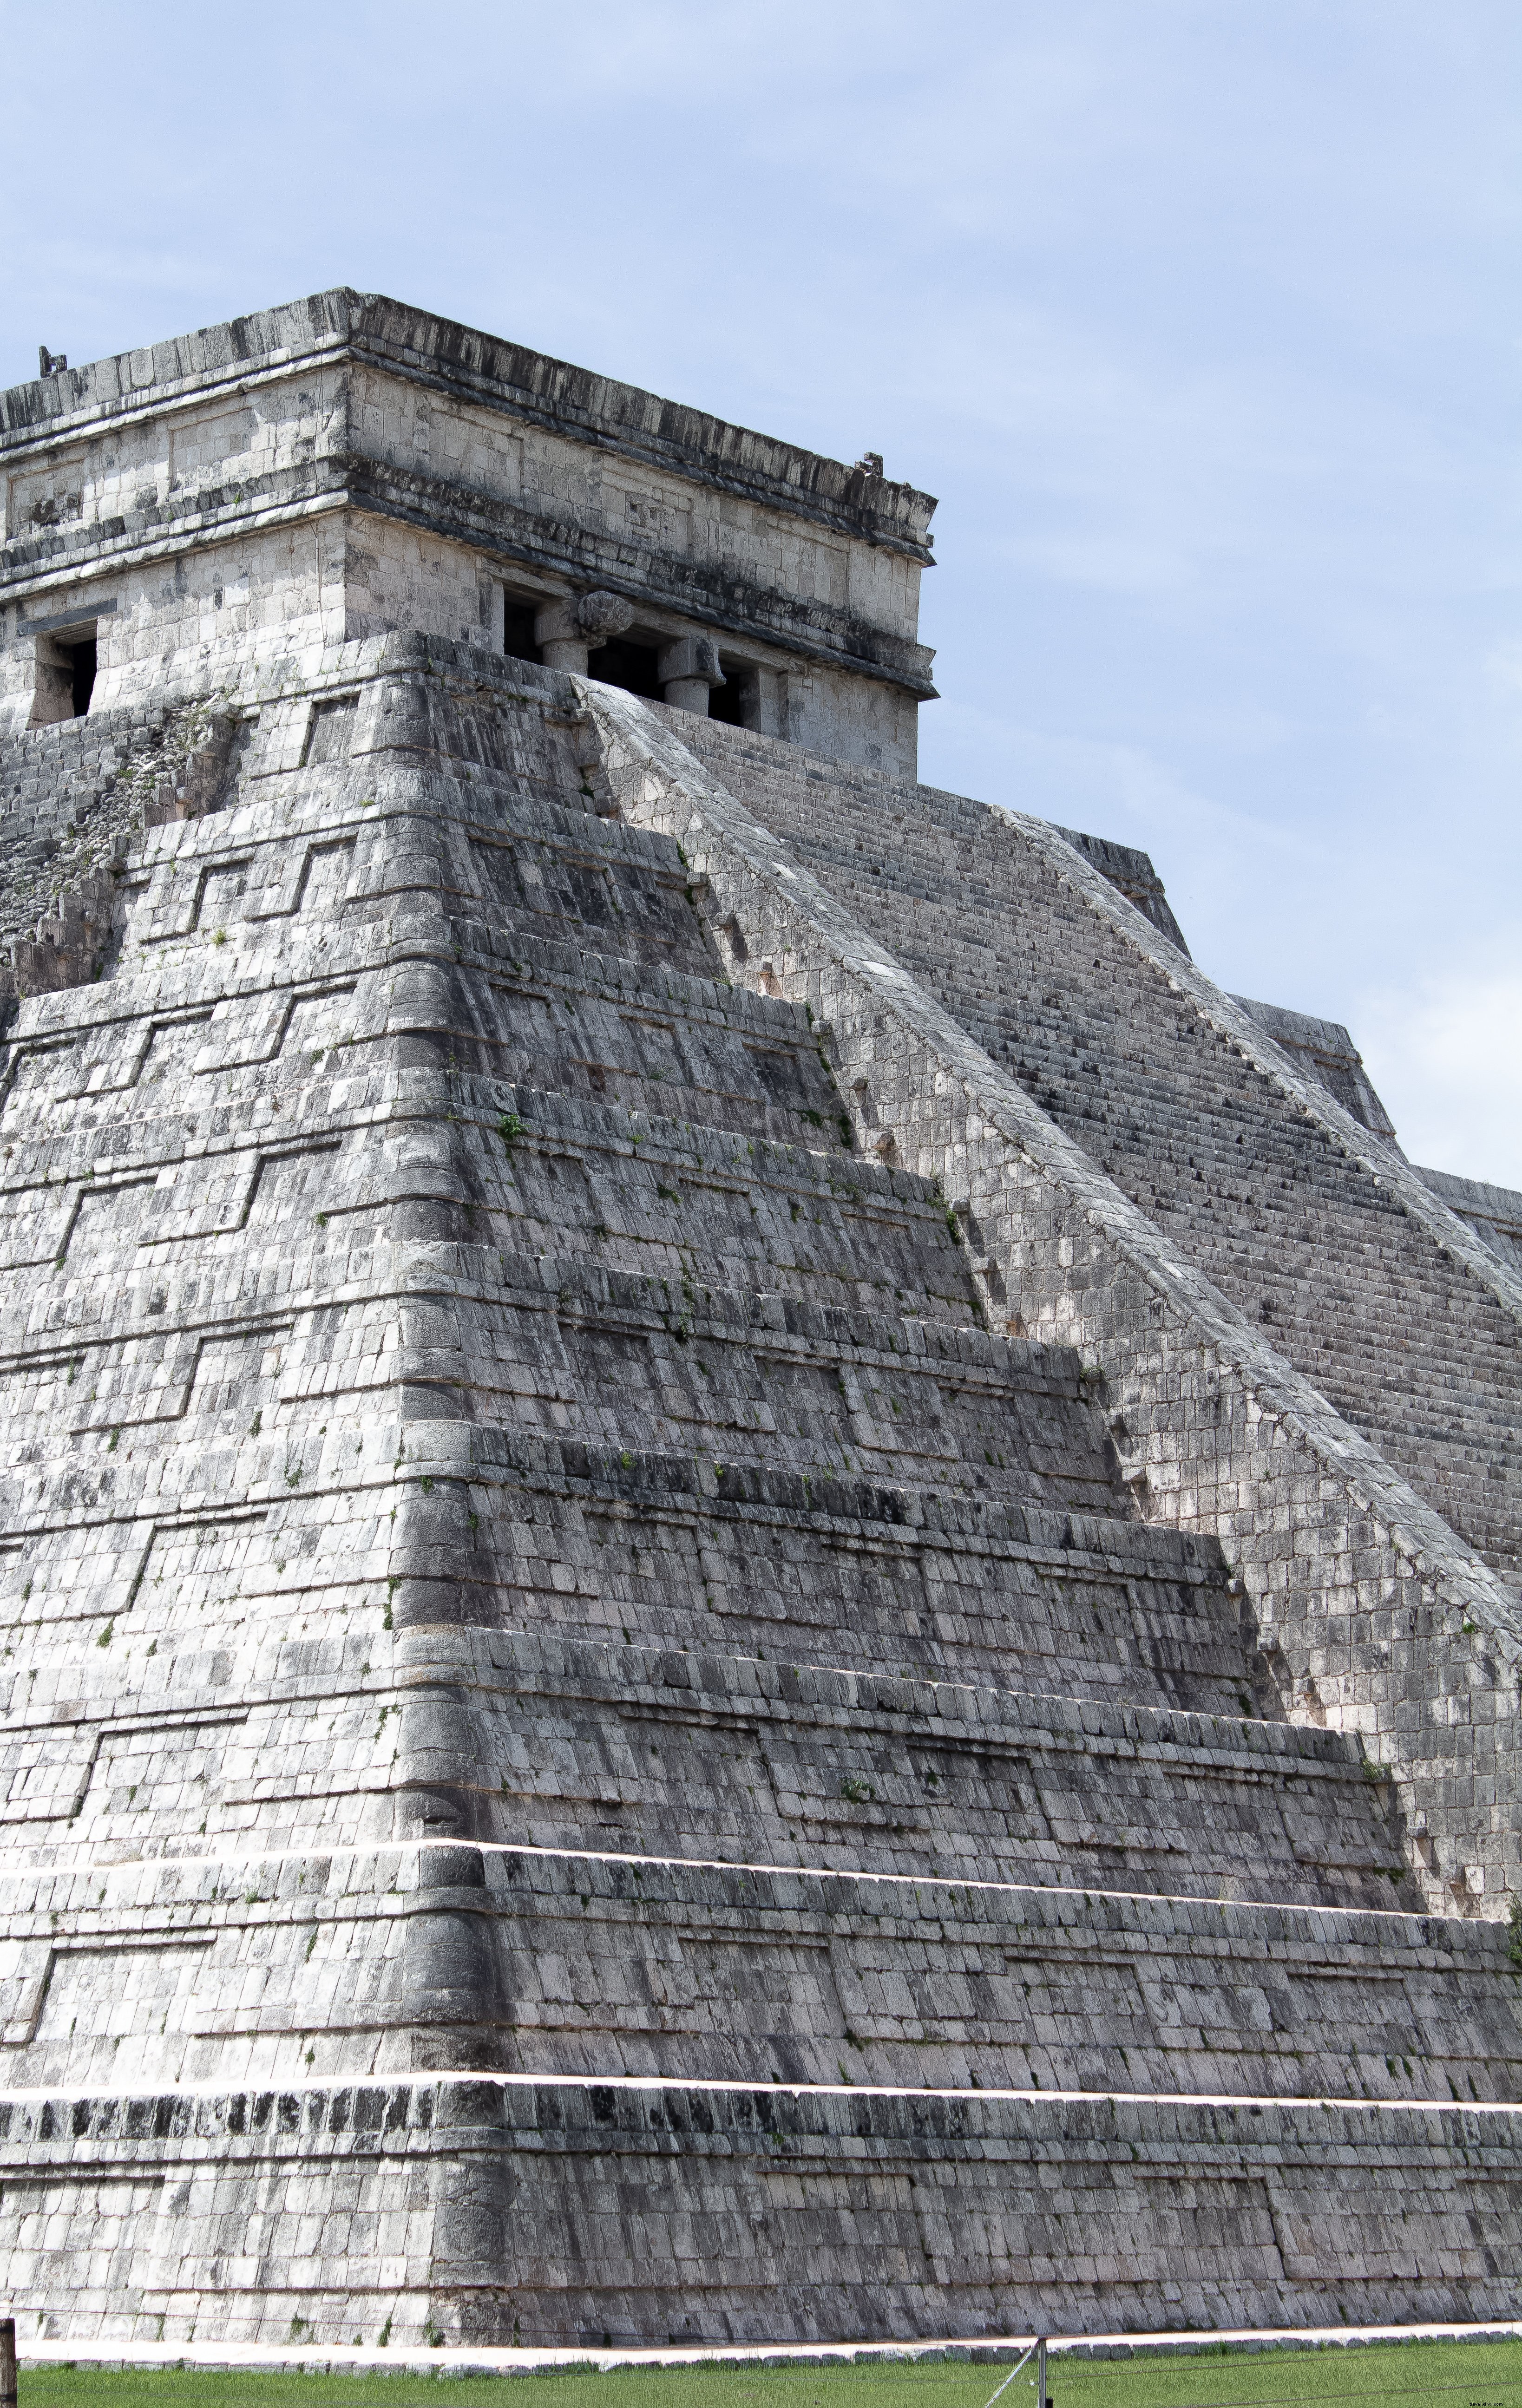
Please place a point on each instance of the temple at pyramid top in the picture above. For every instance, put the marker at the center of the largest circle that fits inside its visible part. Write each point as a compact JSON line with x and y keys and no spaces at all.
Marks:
{"x":194,"y":514}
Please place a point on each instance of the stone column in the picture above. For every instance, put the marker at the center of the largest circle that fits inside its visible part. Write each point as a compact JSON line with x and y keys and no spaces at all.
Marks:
{"x":567,"y":631}
{"x":686,"y":670}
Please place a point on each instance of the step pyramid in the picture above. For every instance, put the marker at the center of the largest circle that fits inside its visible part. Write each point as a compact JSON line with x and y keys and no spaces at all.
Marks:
{"x":605,"y":1741}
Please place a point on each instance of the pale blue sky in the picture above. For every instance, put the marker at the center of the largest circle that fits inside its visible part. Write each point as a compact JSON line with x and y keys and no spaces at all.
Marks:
{"x":1200,"y":316}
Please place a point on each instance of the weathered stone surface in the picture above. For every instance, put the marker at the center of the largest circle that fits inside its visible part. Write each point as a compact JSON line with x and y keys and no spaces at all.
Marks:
{"x":662,"y":2212}
{"x":679,"y":1658}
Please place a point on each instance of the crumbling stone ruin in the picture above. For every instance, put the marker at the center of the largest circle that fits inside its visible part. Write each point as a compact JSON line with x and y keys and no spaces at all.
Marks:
{"x":756,"y":1584}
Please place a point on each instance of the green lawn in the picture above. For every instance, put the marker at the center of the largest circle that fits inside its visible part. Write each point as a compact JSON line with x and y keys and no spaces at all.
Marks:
{"x":1464,"y":2374}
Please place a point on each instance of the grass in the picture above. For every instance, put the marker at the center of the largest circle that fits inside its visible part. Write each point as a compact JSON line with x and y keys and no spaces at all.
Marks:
{"x":1452,"y":2374}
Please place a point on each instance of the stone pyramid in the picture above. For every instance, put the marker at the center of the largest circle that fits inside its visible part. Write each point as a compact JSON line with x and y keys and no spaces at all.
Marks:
{"x":756,"y":1586}
{"x":597,"y":1746}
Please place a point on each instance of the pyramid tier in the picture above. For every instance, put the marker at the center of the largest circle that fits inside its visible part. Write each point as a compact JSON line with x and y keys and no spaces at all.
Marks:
{"x":481,"y":2208}
{"x":355,"y":1963}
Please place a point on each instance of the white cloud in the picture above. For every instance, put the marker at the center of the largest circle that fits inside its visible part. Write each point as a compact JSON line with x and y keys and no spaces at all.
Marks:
{"x":1446,"y":1056}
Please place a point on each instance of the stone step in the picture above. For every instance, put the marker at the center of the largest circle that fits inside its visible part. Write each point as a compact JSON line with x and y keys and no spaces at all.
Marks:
{"x":517,"y":870}
{"x":561,"y":1744}
{"x":651,"y":2211}
{"x":518,"y":1531}
{"x":615,"y":1202}
{"x":526,"y":1737}
{"x":596,"y":1542}
{"x":377,"y":1962}
{"x":646,"y":1051}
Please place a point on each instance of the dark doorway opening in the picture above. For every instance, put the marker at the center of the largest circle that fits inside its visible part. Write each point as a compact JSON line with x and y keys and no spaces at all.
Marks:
{"x":81,"y":664}
{"x":518,"y":630}
{"x":728,"y":701}
{"x":631,"y":666}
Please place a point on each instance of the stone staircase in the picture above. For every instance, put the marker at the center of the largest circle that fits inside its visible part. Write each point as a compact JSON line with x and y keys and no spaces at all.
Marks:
{"x":1316,"y":1231}
{"x":595,"y":1747}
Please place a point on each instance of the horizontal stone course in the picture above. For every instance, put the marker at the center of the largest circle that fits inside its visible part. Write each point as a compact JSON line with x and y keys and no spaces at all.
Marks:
{"x":595,"y":1964}
{"x":755,"y":2213}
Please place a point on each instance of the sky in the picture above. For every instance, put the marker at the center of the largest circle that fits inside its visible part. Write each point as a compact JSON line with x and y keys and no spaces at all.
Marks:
{"x":1201,"y":317}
